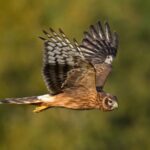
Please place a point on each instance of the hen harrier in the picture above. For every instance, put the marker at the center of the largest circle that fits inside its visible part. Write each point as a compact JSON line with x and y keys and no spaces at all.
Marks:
{"x":75,"y":74}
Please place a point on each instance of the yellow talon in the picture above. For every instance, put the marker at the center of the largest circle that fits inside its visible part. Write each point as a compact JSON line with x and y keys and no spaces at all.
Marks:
{"x":40,"y":108}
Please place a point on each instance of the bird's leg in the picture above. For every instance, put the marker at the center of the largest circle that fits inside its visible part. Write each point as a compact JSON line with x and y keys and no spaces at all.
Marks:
{"x":40,"y":108}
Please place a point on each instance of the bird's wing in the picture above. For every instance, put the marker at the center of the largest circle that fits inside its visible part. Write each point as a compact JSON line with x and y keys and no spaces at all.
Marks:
{"x":99,"y":47}
{"x":64,"y":64}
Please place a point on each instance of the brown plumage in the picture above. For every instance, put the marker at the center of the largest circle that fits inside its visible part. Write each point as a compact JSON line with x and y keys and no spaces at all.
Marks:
{"x":75,"y":74}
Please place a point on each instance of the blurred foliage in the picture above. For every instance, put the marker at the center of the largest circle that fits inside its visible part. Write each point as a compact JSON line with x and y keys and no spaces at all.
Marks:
{"x":128,"y":128}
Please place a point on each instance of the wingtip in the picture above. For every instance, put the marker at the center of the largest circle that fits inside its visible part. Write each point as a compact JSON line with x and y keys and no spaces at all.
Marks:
{"x":108,"y":34}
{"x":62,"y":33}
{"x":41,"y":38}
{"x":74,"y":40}
{"x":100,"y":30}
{"x":60,"y":30}
{"x":45,"y":32}
{"x":106,"y":24}
{"x":51,"y":30}
{"x":99,"y":23}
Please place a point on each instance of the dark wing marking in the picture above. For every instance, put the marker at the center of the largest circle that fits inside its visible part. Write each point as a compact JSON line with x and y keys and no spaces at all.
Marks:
{"x":98,"y":44}
{"x":99,"y":47}
{"x":59,"y":57}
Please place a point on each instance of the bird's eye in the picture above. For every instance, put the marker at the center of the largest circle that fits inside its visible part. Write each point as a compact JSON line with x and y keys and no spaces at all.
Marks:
{"x":108,"y":102}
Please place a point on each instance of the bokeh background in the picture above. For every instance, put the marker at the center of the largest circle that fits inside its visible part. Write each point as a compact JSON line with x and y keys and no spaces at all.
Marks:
{"x":128,"y":128}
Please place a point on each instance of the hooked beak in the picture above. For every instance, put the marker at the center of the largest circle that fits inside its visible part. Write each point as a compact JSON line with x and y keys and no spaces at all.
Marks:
{"x":115,"y":105}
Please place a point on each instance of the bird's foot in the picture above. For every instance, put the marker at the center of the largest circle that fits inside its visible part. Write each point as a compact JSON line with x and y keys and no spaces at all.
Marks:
{"x":40,"y":108}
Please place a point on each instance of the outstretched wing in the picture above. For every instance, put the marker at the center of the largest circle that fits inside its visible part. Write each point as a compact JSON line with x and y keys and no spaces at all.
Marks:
{"x":99,"y":47}
{"x":64,"y":64}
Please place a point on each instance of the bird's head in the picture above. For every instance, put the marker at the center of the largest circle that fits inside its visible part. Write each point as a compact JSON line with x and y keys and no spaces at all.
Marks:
{"x":108,"y":101}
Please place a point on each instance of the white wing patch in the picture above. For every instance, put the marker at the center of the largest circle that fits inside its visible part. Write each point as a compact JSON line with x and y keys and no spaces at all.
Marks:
{"x":46,"y":98}
{"x":109,"y":59}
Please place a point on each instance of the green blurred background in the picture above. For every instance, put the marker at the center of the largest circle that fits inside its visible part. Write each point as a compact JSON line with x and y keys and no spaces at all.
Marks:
{"x":128,"y":128}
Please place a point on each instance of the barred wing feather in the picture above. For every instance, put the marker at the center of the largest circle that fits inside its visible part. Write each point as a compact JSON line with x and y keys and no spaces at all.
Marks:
{"x":64,"y":64}
{"x":99,"y":47}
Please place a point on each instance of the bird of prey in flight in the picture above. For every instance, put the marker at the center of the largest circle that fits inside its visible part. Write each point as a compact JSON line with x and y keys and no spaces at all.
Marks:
{"x":74,"y":73}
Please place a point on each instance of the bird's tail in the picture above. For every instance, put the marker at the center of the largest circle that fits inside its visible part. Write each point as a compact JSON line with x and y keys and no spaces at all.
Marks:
{"x":42,"y":102}
{"x":23,"y":100}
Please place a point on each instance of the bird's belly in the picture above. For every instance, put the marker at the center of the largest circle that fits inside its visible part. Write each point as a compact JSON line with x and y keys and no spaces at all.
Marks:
{"x":76,"y":100}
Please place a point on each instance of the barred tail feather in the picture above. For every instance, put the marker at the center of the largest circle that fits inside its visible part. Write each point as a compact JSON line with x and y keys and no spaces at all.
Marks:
{"x":24,"y":100}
